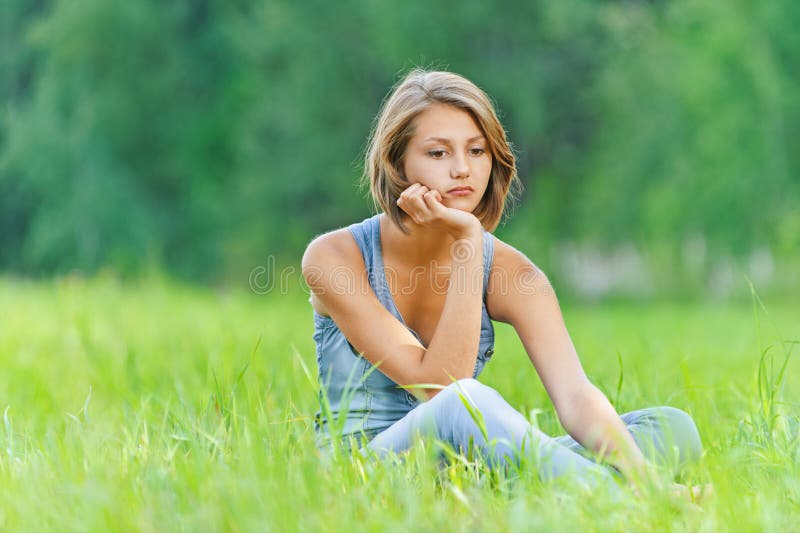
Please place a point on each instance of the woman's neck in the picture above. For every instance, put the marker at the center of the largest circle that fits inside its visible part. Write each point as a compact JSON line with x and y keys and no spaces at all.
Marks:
{"x":420,"y":246}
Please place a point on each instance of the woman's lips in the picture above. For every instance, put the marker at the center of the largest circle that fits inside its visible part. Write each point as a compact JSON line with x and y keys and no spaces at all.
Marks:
{"x":460,"y":192}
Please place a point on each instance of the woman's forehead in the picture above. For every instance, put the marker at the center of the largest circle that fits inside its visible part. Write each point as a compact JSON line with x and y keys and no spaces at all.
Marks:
{"x":446,"y":123}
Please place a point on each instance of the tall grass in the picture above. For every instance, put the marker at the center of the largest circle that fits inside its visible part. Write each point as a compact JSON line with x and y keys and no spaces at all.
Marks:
{"x":159,"y":407}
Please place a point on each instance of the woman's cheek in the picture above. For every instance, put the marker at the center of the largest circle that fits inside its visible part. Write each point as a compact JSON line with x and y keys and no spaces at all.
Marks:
{"x":417,"y":171}
{"x":487,"y":165}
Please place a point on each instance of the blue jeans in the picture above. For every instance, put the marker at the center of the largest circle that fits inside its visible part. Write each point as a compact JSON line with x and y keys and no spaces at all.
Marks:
{"x":666,"y":436}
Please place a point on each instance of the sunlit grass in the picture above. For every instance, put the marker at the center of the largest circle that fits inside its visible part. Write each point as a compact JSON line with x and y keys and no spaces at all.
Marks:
{"x":159,"y":407}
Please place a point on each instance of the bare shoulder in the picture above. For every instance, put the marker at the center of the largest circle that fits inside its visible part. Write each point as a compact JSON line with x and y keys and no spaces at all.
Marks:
{"x":337,"y":244}
{"x":510,"y":263}
{"x":513,"y":276}
{"x":331,"y":256}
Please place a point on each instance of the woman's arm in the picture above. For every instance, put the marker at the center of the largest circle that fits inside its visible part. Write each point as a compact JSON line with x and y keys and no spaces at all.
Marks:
{"x":521,"y":295}
{"x":335,"y":272}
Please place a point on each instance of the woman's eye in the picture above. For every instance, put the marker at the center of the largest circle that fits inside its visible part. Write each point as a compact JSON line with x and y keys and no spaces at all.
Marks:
{"x":478,"y":151}
{"x":436,"y":153}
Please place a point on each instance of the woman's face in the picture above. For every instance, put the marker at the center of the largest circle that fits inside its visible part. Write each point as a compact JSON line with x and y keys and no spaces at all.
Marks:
{"x":449,"y":150}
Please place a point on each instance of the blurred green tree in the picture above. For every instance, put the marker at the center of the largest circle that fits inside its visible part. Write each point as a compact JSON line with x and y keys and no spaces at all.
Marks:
{"x":202,"y":136}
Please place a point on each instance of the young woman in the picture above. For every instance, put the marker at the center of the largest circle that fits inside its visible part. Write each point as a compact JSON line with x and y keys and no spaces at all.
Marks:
{"x":408,"y":297}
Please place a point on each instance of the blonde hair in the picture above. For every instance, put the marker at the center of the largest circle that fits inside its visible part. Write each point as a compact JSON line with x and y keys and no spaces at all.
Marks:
{"x":416,"y":92}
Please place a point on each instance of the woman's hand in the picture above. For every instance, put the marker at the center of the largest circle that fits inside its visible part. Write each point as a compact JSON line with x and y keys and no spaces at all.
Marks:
{"x":648,"y":480}
{"x":425,"y":208}
{"x":692,"y":493}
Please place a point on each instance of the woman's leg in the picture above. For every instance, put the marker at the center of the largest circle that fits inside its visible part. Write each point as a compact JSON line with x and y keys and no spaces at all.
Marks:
{"x":446,"y":418}
{"x":667,"y":436}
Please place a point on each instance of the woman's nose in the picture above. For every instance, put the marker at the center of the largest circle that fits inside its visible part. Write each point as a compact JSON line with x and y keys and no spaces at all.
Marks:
{"x":460,"y":168}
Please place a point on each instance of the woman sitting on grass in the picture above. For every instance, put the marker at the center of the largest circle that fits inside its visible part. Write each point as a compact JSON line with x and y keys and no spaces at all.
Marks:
{"x":440,"y":169}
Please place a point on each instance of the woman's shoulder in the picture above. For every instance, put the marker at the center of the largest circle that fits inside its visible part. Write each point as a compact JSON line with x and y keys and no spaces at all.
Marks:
{"x":513,"y":275}
{"x":501,"y":251}
{"x":508,"y":256}
{"x":338,"y":247}
{"x":329,"y":258}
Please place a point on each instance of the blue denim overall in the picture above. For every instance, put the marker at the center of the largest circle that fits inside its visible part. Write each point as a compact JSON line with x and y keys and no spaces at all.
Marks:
{"x":360,"y":397}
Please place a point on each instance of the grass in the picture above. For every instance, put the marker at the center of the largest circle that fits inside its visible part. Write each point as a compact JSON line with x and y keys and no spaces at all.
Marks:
{"x":159,"y":407}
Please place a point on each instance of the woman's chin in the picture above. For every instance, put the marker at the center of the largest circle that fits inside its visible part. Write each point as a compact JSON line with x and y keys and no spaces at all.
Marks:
{"x":459,"y":203}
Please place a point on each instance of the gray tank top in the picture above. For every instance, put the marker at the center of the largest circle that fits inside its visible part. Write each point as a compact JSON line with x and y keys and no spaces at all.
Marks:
{"x":356,"y":399}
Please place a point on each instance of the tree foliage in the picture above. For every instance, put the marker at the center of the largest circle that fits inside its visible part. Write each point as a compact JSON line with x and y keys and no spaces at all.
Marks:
{"x":202,"y":136}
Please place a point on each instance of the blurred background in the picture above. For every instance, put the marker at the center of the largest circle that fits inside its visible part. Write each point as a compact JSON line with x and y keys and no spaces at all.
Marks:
{"x":209,"y":141}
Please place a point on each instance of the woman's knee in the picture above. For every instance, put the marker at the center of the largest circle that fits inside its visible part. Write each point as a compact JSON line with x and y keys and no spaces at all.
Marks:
{"x":450,"y":402}
{"x":681,"y":431}
{"x":470,"y":389}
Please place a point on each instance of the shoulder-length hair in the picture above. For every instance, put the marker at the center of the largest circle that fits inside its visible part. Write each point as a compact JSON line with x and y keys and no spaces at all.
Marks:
{"x":394,"y":127}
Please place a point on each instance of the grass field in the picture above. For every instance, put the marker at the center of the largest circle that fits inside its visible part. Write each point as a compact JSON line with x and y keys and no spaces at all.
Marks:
{"x":159,"y":407}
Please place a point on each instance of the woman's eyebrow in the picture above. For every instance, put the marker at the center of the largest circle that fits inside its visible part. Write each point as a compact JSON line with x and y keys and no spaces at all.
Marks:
{"x":446,"y":140}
